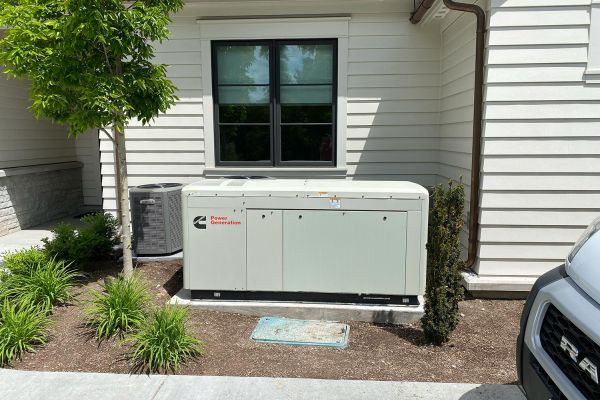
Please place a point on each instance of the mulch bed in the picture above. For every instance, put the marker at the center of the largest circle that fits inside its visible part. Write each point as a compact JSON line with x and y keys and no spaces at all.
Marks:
{"x":481,"y":350}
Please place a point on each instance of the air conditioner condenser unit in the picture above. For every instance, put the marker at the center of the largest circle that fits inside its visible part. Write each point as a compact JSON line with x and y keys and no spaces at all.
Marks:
{"x":305,"y":240}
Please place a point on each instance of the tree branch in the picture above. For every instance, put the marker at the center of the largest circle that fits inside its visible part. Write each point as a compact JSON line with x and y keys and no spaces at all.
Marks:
{"x":106,"y":57}
{"x":108,"y":134}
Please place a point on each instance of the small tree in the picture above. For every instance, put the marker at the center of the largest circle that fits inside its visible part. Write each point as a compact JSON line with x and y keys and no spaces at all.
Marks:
{"x":90,"y":66}
{"x":444,"y":263}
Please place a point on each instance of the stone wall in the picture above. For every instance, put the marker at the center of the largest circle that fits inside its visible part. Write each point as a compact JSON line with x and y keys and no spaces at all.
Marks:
{"x":33,"y":195}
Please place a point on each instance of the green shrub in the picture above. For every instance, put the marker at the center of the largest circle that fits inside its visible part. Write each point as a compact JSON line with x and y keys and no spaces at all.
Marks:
{"x":444,"y":263}
{"x":94,"y":240}
{"x":23,"y":327}
{"x":23,"y":259}
{"x":119,"y":308}
{"x":46,"y":284}
{"x":99,"y":235}
{"x":162,"y":344}
{"x":64,"y":244}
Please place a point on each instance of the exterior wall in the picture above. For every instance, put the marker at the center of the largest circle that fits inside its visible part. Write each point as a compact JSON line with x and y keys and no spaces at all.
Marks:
{"x":87,"y":149}
{"x":30,"y":196}
{"x":392,"y":99}
{"x":409,"y":101}
{"x":40,"y":179}
{"x":457,"y":75}
{"x":25,"y":140}
{"x":540,"y":179}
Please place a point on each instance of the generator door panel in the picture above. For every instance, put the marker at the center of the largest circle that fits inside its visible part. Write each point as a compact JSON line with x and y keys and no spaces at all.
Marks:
{"x":344,"y":251}
{"x":263,"y":254}
{"x":217,"y":248}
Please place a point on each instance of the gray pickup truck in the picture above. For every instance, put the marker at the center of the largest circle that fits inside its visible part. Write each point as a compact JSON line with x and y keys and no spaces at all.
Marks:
{"x":558,"y":349}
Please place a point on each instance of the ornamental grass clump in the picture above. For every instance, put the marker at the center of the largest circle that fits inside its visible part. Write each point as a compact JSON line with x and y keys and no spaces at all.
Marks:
{"x":23,"y":328}
{"x":444,"y":263}
{"x":163,"y":344}
{"x":44,"y":284}
{"x":119,"y":308}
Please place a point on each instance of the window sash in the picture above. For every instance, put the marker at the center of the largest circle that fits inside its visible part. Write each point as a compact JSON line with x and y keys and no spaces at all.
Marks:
{"x":276,"y":123}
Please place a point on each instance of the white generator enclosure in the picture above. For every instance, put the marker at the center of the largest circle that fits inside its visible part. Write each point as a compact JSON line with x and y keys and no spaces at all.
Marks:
{"x":305,"y":240}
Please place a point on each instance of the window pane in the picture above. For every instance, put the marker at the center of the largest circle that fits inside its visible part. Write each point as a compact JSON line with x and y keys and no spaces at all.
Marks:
{"x":244,"y":113}
{"x":243,"y":64}
{"x":306,"y":143}
{"x":306,"y":94}
{"x":305,"y":114}
{"x":245,"y":143}
{"x":306,"y":63}
{"x":244,"y":95}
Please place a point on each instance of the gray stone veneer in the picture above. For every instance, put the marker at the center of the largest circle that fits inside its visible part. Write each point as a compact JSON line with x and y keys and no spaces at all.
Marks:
{"x":33,"y":195}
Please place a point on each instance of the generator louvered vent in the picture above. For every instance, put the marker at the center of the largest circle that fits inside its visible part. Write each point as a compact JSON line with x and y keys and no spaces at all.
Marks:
{"x":156,"y":218}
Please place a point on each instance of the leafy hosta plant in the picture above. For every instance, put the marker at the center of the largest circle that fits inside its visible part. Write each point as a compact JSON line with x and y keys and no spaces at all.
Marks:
{"x":119,"y":308}
{"x":46,"y":284}
{"x":23,"y":328}
{"x":163,"y":344}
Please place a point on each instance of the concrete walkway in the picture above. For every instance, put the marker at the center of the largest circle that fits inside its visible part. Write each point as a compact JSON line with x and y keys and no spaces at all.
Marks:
{"x":32,"y":236}
{"x":26,"y":385}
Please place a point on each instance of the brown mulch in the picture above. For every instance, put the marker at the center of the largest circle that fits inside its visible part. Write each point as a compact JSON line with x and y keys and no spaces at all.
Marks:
{"x":481,"y":350}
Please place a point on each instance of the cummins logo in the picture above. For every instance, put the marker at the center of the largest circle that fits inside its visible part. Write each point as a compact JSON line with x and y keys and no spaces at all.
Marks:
{"x":200,"y":222}
{"x":586,"y":364}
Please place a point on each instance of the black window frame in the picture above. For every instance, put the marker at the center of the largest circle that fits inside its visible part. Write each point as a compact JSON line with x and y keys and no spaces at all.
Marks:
{"x":275,"y":104}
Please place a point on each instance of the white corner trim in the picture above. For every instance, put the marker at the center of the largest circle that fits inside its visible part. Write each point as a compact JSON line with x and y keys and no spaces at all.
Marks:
{"x":275,"y":28}
{"x":592,"y":73}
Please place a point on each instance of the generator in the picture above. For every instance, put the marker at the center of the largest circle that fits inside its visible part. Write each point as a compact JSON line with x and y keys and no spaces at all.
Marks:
{"x":305,"y":240}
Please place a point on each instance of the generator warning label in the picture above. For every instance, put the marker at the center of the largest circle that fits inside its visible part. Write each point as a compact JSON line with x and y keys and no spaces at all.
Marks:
{"x":216,"y":220}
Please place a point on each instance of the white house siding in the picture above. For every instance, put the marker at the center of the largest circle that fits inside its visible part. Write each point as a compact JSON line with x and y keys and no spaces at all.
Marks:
{"x":87,"y":150}
{"x":24,"y":140}
{"x":457,"y":70}
{"x":172,"y":148}
{"x":541,"y":164}
{"x":393,"y":97}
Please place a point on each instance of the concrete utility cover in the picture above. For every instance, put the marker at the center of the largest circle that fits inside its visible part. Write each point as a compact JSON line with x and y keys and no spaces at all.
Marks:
{"x":298,"y":332}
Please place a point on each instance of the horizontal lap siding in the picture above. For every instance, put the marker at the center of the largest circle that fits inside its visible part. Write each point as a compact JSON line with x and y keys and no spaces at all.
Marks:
{"x":540,"y":179}
{"x":393,"y":104}
{"x":25,"y":140}
{"x":170,"y":149}
{"x":88,"y":153}
{"x":456,"y":102}
{"x":393,"y":99}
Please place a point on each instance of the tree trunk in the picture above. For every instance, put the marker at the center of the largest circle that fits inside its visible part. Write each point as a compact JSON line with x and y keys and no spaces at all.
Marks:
{"x":123,"y":198}
{"x":117,"y":181}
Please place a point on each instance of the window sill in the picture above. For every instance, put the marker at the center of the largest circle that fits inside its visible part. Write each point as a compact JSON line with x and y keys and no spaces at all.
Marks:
{"x":278,"y":172}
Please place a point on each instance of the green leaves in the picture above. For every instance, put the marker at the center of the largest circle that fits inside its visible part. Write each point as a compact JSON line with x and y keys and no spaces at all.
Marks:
{"x":119,"y":308}
{"x":444,"y":263}
{"x":94,"y":240}
{"x":90,"y":62}
{"x":43,"y":284}
{"x":163,"y":344}
{"x":23,"y":327}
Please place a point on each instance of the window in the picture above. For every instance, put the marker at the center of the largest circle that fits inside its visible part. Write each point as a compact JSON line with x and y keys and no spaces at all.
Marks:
{"x":274,"y":102}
